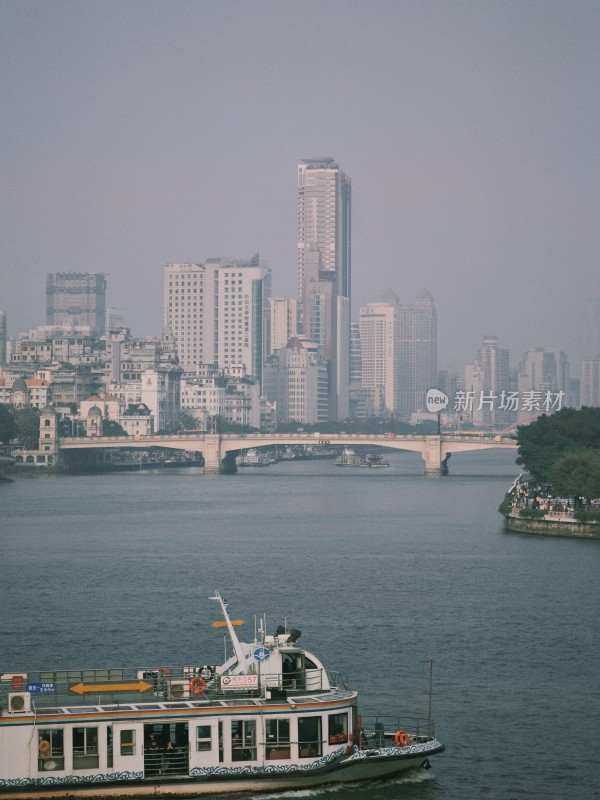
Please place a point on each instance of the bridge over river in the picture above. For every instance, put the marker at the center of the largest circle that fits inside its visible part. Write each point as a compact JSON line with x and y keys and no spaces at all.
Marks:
{"x":219,"y":450}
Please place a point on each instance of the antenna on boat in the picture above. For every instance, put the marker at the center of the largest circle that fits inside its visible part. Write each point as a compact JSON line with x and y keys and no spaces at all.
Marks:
{"x":237,"y":647}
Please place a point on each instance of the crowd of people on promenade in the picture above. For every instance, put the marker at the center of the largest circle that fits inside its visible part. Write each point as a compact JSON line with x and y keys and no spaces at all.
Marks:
{"x":539,"y":496}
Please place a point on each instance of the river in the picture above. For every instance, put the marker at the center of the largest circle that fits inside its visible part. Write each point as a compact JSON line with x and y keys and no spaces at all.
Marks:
{"x":381,"y":570}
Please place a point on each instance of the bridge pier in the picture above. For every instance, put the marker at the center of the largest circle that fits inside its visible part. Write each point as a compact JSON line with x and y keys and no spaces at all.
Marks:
{"x":434,"y":456}
{"x":214,"y":462}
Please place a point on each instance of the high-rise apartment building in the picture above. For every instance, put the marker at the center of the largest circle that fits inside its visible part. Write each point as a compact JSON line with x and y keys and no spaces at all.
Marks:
{"x":217,"y":313}
{"x":379,"y":328}
{"x":324,"y":271}
{"x":75,"y":299}
{"x":417,"y":353}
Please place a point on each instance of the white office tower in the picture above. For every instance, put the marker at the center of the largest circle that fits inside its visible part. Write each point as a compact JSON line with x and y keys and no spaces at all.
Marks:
{"x":324,"y":271}
{"x":379,"y":340}
{"x":218,"y":313}
{"x":284,"y":321}
{"x":417,"y":356}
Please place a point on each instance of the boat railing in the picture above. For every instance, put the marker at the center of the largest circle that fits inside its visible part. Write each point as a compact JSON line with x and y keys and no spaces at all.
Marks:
{"x":59,"y":688}
{"x":387,"y":731}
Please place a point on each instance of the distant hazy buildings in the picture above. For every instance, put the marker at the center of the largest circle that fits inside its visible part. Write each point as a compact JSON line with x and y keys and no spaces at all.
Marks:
{"x":546,"y":373}
{"x":75,"y":299}
{"x":324,"y":271}
{"x":218,"y":313}
{"x":590,"y":382}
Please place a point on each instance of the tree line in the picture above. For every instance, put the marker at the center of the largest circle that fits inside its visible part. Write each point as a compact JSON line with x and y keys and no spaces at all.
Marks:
{"x":563,"y":450}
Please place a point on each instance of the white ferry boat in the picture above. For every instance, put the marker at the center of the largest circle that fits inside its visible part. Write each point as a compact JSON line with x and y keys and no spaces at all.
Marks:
{"x":268,"y":719}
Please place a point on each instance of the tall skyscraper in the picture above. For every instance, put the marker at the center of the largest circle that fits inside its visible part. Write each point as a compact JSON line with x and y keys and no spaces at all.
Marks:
{"x":324,"y":273}
{"x":76,"y":298}
{"x":217,"y":313}
{"x":417,"y":353}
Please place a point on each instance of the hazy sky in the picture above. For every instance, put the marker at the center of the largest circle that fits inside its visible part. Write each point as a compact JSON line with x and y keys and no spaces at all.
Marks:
{"x":135,"y":133}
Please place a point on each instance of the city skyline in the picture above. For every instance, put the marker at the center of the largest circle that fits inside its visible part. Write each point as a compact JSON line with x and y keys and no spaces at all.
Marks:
{"x":469,"y":131}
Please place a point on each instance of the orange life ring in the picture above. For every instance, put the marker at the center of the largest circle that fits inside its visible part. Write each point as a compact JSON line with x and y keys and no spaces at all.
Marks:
{"x":401,"y":738}
{"x":197,"y":685}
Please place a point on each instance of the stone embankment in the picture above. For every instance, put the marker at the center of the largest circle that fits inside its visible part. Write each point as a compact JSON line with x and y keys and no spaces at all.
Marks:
{"x":557,"y":524}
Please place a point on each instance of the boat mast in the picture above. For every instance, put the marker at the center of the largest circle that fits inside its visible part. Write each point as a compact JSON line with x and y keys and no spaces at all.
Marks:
{"x":237,"y":647}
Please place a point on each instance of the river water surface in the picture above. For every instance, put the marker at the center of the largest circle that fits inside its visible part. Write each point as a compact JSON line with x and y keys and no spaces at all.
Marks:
{"x":381,"y":570}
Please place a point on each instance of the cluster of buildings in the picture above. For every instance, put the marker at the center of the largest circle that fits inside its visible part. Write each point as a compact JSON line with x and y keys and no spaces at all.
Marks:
{"x":229,"y":350}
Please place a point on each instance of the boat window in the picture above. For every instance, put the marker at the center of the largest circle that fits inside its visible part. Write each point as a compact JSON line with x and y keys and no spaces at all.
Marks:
{"x":278,"y":738}
{"x":127,"y":743}
{"x":338,"y":728}
{"x":203,"y":737}
{"x":309,"y":664}
{"x":243,"y":740}
{"x":51,"y":750}
{"x":85,"y":748}
{"x":109,"y":746}
{"x":310,"y":742}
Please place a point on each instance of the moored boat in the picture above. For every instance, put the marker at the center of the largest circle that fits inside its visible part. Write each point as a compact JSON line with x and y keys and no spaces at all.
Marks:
{"x":271,"y":717}
{"x":373,"y":460}
{"x":254,"y":458}
{"x":348,"y":458}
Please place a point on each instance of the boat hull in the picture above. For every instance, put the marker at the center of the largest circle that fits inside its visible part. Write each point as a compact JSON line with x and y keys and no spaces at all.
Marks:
{"x":361,"y":765}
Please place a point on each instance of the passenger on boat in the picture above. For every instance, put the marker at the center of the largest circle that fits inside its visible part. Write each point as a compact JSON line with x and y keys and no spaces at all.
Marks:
{"x":170,"y":757}
{"x":153,"y":757}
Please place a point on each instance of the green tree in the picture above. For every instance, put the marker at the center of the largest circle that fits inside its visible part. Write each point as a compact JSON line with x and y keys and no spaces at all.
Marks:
{"x":544,"y":442}
{"x":28,"y":427}
{"x":8,"y":424}
{"x":577,"y":475}
{"x":112,"y":428}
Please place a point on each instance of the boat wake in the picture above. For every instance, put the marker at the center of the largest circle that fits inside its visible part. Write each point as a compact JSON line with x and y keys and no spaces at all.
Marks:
{"x":358,"y":789}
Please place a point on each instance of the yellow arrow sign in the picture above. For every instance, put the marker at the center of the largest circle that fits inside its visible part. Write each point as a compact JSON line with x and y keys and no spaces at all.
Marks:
{"x":223,"y":624}
{"x":99,"y":688}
